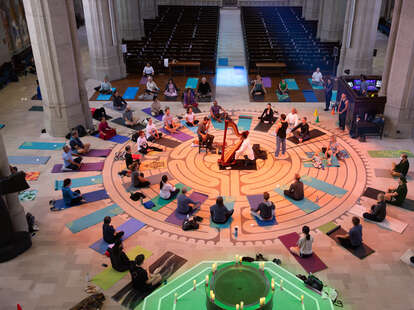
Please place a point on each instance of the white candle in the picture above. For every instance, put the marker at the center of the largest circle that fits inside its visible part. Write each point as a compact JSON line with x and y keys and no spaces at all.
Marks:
{"x":206,"y":279}
{"x":262,"y":301}
{"x":194,"y":285}
{"x":237,"y":307}
{"x":240,"y":259}
{"x":175,"y":297}
{"x":214,"y":267}
{"x":262,"y":266}
{"x":273,"y":284}
{"x":301,"y":299}
{"x":237,"y":259}
{"x":214,"y":297}
{"x":241,"y":305}
{"x":281,"y":285}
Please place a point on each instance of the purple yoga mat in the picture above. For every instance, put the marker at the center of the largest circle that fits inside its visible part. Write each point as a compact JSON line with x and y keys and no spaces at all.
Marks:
{"x":311,"y":264}
{"x":198,"y":197}
{"x":89,"y":197}
{"x":143,"y":80}
{"x":178,"y":135}
{"x":148,"y":111}
{"x":97,"y":153}
{"x":267,"y":82}
{"x":84,"y":167}
{"x":178,"y":218}
{"x":254,"y":201}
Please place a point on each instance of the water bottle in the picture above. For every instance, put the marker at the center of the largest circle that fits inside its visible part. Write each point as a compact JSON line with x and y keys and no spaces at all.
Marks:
{"x":188,"y":217}
{"x":236,"y":232}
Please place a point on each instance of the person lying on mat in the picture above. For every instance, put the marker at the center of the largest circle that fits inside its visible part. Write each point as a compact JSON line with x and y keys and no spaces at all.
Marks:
{"x":142,"y":144}
{"x":258,"y":88}
{"x":167,"y":191}
{"x":396,"y":196}
{"x":190,"y":118}
{"x":295,"y":190}
{"x":148,"y":70}
{"x":304,"y":245}
{"x":303,"y":135}
{"x":110,"y":235}
{"x":203,"y":136}
{"x":189,"y":99}
{"x":171,"y":89}
{"x":140,"y":279}
{"x":378,"y":211}
{"x":156,"y":107}
{"x":169,"y":124}
{"x":68,"y":161}
{"x":265,"y":210}
{"x":119,"y":260}
{"x":70,"y":198}
{"x":292,"y":119}
{"x":105,"y":88}
{"x":354,"y":238}
{"x":246,"y":149}
{"x":268,"y":115}
{"x":137,"y":178}
{"x":283,"y":88}
{"x":151,"y":132}
{"x":118,"y":102}
{"x":317,"y":78}
{"x":204,"y":89}
{"x":401,"y":169}
{"x":185,"y":205}
{"x":105,"y":132}
{"x":215,"y":112}
{"x":219,"y":213}
{"x":128,"y":117}
{"x":76,"y":145}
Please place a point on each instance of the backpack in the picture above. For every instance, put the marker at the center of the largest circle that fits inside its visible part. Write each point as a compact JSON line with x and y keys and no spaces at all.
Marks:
{"x":134,"y":137}
{"x":99,"y":113}
{"x":314,"y":283}
{"x":137,"y":196}
{"x":81,"y":130}
{"x":190,"y":225}
{"x":258,"y":153}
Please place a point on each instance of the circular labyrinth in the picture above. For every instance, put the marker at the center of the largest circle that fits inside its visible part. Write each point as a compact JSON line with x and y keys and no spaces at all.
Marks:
{"x":201,"y":173}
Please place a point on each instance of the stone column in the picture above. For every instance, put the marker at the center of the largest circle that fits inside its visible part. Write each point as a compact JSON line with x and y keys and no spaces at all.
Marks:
{"x":55,"y":46}
{"x":310,"y":10}
{"x":331,"y":24}
{"x":398,"y":76}
{"x":360,"y":33}
{"x":104,"y":40}
{"x":129,"y":16}
{"x":16,"y":210}
{"x":149,"y":8}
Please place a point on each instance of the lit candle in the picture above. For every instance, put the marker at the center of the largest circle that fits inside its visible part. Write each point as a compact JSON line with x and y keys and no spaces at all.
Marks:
{"x":262,"y":266}
{"x":175,"y":297}
{"x":206,"y":279}
{"x":237,"y":307}
{"x":262,"y":301}
{"x":240,"y":259}
{"x":273,"y":284}
{"x":214,"y":297}
{"x":301,"y":299}
{"x":214,"y":267}
{"x":281,"y":285}
{"x":194,"y":285}
{"x":241,"y":305}
{"x":237,"y":259}
{"x":211,"y":294}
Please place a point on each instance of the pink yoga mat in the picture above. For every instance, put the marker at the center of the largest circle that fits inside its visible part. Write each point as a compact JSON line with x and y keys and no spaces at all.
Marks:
{"x":143,"y":80}
{"x":311,"y":264}
{"x":267,"y":82}
{"x":97,"y":153}
{"x":84,"y":167}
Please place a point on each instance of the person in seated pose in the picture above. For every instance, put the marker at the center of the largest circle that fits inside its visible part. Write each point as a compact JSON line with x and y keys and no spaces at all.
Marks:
{"x":169,"y":123}
{"x":190,"y":118}
{"x":215,"y":112}
{"x":128,"y":118}
{"x":246,"y":149}
{"x":283,"y":88}
{"x":105,"y":87}
{"x":317,"y":78}
{"x":396,"y":196}
{"x":171,"y":90}
{"x":184,"y":204}
{"x":280,"y":133}
{"x":258,"y":88}
{"x":189,"y":99}
{"x":118,"y":102}
{"x":304,"y":245}
{"x":76,"y":145}
{"x":151,"y":132}
{"x":137,"y":178}
{"x":70,"y":198}
{"x":295,"y":190}
{"x":156,"y":107}
{"x":142,"y":144}
{"x":292,"y":119}
{"x":110,"y":235}
{"x":219,"y":213}
{"x":333,"y":150}
{"x":268,"y":115}
{"x":303,"y":135}
{"x":167,"y":191}
{"x":129,"y":160}
{"x":401,"y":169}
{"x":148,"y":70}
{"x":105,"y":132}
{"x":203,"y":135}
{"x":68,"y":161}
{"x":354,"y":238}
{"x":204,"y":89}
{"x":378,"y":211}
{"x":119,"y":260}
{"x":151,"y":90}
{"x":317,"y":162}
{"x":265,"y":210}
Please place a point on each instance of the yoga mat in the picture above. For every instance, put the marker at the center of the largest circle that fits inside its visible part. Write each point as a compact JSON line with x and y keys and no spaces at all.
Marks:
{"x":28,"y":160}
{"x":156,"y":178}
{"x":305,"y":204}
{"x":168,"y":142}
{"x":313,"y":133}
{"x":311,"y":264}
{"x":143,"y":81}
{"x":262,"y":223}
{"x":314,"y":86}
{"x":263,"y":127}
{"x":198,"y":197}
{"x":309,"y":96}
{"x":223,"y":61}
{"x":229,"y":203}
{"x":325,"y":228}
{"x":254,"y":201}
{"x":405,"y":258}
{"x":389,"y":154}
{"x":334,"y":94}
{"x":93,"y":218}
{"x":372,"y":193}
{"x":108,"y":277}
{"x":118,"y":138}
{"x":267,"y":82}
{"x":120,"y":121}
{"x":160,"y":203}
{"x":50,"y":146}
{"x":89,"y":197}
{"x":238,"y":67}
{"x":192,"y":128}
{"x":291,"y":83}
{"x":217,"y":125}
{"x":2,"y":126}
{"x":282,"y":98}
{"x":148,"y":111}
{"x":244,"y":123}
{"x":153,"y":164}
{"x":32,"y":176}
{"x":177,"y":261}
{"x":80,"y":182}
{"x":36,"y":108}
{"x":191,"y":83}
{"x":84,"y":167}
{"x":97,"y":153}
{"x":360,"y":252}
{"x":385,"y":173}
{"x":129,"y":228}
{"x":323,"y":186}
{"x":130,"y":93}
{"x":239,"y":165}
{"x":177,"y":218}
{"x":408,"y":205}
{"x":102,"y":97}
{"x":28,"y":195}
{"x":179,"y":135}
{"x":110,"y":105}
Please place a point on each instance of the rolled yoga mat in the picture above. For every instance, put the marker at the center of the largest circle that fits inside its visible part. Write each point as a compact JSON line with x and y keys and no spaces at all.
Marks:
{"x":84,"y":167}
{"x":89,"y":197}
{"x":49,"y":146}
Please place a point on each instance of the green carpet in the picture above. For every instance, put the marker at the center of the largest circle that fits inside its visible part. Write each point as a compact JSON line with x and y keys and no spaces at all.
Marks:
{"x":327,"y":227}
{"x":389,"y":154}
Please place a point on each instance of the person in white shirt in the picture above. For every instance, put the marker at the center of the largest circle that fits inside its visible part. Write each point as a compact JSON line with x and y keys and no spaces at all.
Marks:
{"x":105,"y":87}
{"x":167,"y":191}
{"x":151,"y":132}
{"x":142,"y":144}
{"x":246,"y":149}
{"x":190,"y":118}
{"x":317,"y":77}
{"x":151,"y":90}
{"x":292,"y":119}
{"x":148,"y":70}
{"x":304,"y":245}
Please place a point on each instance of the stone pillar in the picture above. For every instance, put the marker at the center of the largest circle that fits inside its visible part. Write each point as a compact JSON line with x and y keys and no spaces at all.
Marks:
{"x":104,"y":40}
{"x":331,"y":24}
{"x":16,"y":210}
{"x":360,"y":33}
{"x":149,"y":8}
{"x":398,"y":78}
{"x":129,"y":16}
{"x":310,"y":9}
{"x":55,"y":46}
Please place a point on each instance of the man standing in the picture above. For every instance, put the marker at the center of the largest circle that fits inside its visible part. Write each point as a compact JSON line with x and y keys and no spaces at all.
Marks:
{"x":328,"y":93}
{"x":281,"y":135}
{"x":343,"y":109}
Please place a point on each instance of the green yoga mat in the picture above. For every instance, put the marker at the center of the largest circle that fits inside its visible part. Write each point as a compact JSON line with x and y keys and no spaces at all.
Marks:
{"x":107,"y":278}
{"x":325,"y":228}
{"x":389,"y":154}
{"x":160,"y":203}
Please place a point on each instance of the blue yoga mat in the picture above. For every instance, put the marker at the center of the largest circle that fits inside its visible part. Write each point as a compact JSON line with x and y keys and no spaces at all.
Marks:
{"x":223,"y":61}
{"x":93,"y":218}
{"x":148,"y":111}
{"x":129,"y":228}
{"x":334,"y":94}
{"x":80,"y":182}
{"x":305,"y":204}
{"x":105,"y":97}
{"x":221,"y":226}
{"x":239,"y":67}
{"x":309,"y":96}
{"x":244,"y":123}
{"x":130,"y":93}
{"x":1,"y":126}
{"x":265,"y":223}
{"x":217,"y":125}
{"x":193,"y":128}
{"x":50,"y":146}
{"x":291,"y":83}
{"x":282,"y":98}
{"x":89,"y":197}
{"x":191,"y":83}
{"x":323,"y":186}
{"x":28,"y":160}
{"x":118,"y":139}
{"x":314,"y":86}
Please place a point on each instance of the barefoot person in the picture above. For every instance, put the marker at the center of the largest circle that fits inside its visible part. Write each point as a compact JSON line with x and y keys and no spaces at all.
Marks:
{"x":76,"y":145}
{"x":396,"y":196}
{"x":169,"y":124}
{"x":68,"y":161}
{"x":304,"y":245}
{"x":105,"y":132}
{"x":203,"y":135}
{"x":151,"y":132}
{"x":401,"y":169}
{"x":378,"y":211}
{"x":215,"y":112}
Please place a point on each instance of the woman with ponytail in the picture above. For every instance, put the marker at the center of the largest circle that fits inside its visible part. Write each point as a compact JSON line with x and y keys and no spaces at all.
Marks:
{"x":304,"y":245}
{"x":167,"y":191}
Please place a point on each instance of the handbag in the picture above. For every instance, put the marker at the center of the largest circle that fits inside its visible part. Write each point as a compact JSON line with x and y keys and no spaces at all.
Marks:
{"x":190,"y":225}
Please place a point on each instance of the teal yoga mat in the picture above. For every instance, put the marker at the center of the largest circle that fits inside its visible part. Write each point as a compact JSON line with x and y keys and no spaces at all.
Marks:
{"x":244,"y":122}
{"x":229,"y":203}
{"x":314,"y":86}
{"x":292,"y":85}
{"x":191,"y":83}
{"x":130,"y":93}
{"x":334,"y":94}
{"x":50,"y":146}
{"x":93,"y":218}
{"x":80,"y":182}
{"x":102,"y":97}
{"x":160,"y":203}
{"x":305,"y":204}
{"x":217,"y":125}
{"x":323,"y":186}
{"x":28,"y":160}
{"x":193,"y":128}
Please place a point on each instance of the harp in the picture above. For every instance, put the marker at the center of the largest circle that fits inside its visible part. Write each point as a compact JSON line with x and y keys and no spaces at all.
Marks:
{"x":228,"y":153}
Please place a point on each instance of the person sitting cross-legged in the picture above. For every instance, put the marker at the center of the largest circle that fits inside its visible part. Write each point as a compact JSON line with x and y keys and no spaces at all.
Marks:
{"x":148,"y":70}
{"x":204,"y":89}
{"x":105,"y":131}
{"x":129,"y":160}
{"x":190,"y":118}
{"x":137,"y":178}
{"x":105,"y":87}
{"x":215,"y":112}
{"x":303,"y":135}
{"x":156,"y":107}
{"x":167,"y":191}
{"x":304,"y":245}
{"x":283,"y":88}
{"x":203,"y":135}
{"x":268,"y":115}
{"x":128,"y":117}
{"x":143,"y":146}
{"x":378,"y":211}
{"x":118,"y":102}
{"x":171,"y":90}
{"x":70,"y":198}
{"x":258,"y":88}
{"x":151,"y":132}
{"x":354,"y":238}
{"x":184,"y":203}
{"x":396,"y":196}
{"x":219,"y":212}
{"x":119,"y":260}
{"x":76,"y":145}
{"x":169,"y":124}
{"x":265,"y":210}
{"x":295,"y":190}
{"x":317,"y":78}
{"x":110,"y":235}
{"x":401,"y":169}
{"x":68,"y":161}
{"x":189,"y":99}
